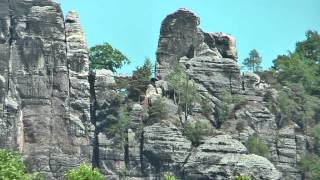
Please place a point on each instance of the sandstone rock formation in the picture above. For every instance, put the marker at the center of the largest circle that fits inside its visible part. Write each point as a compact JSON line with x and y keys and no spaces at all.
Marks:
{"x":45,"y":109}
{"x":55,"y":112}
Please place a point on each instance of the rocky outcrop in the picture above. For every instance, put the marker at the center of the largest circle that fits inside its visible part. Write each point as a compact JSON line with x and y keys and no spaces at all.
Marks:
{"x":222,"y":157}
{"x":43,"y":114}
{"x":56,"y":113}
{"x":165,"y":149}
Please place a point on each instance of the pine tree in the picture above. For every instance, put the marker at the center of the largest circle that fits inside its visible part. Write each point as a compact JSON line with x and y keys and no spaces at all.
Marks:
{"x":253,"y":62}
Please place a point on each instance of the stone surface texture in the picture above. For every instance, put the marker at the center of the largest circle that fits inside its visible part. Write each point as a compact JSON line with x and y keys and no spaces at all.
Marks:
{"x":55,"y":112}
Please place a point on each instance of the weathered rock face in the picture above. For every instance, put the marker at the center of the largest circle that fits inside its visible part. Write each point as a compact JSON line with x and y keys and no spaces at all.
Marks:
{"x":179,"y":36}
{"x":165,"y":149}
{"x":210,"y":57}
{"x":56,"y":113}
{"x":43,"y":114}
{"x":222,"y":157}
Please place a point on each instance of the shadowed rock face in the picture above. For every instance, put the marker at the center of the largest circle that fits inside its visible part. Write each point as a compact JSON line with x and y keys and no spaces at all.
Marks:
{"x":44,"y":104}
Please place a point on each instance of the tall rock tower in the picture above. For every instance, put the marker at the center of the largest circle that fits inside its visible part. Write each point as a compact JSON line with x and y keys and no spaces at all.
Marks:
{"x":44,"y":98}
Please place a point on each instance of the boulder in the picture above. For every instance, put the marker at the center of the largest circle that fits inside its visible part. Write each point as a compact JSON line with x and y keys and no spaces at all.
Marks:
{"x":222,"y":157}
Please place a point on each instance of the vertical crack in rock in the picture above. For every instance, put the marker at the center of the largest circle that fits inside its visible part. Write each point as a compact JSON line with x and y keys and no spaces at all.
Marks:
{"x":93,"y":107}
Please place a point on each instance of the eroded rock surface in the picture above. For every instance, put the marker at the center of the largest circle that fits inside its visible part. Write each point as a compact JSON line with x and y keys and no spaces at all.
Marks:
{"x":55,"y":112}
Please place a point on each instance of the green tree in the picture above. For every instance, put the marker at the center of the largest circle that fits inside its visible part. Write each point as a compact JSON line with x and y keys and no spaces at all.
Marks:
{"x":297,"y":106}
{"x":12,"y":167}
{"x":294,"y":68}
{"x":310,"y":166}
{"x":256,"y":146}
{"x":169,"y":177}
{"x":253,"y":62}
{"x":185,"y":93}
{"x":140,"y":80}
{"x":158,"y":110}
{"x":118,"y":126}
{"x":84,"y":172}
{"x":106,"y":57}
{"x":315,"y":134}
{"x":195,"y":131}
{"x":310,"y":48}
{"x":225,"y":109}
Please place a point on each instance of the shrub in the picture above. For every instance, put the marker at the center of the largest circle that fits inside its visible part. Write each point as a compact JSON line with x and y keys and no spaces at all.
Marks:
{"x":242,"y":177}
{"x":169,"y":177}
{"x":206,"y":108}
{"x":255,"y":146}
{"x":83,"y":172}
{"x":158,"y":109}
{"x":310,"y":166}
{"x":185,"y":93}
{"x":195,"y":131}
{"x":11,"y":166}
{"x":225,"y":110}
{"x":118,"y":126}
{"x":297,"y":106}
{"x":315,"y":134}
{"x":240,"y":126}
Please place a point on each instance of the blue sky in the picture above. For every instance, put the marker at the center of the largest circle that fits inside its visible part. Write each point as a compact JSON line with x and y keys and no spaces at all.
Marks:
{"x":132,"y":26}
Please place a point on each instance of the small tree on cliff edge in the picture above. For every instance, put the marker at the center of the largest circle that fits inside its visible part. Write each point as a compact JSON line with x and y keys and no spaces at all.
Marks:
{"x":106,"y":57}
{"x":253,"y":62}
{"x":140,"y":80}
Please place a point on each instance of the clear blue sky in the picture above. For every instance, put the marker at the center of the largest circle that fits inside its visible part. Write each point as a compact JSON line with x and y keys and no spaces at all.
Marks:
{"x":132,"y":26}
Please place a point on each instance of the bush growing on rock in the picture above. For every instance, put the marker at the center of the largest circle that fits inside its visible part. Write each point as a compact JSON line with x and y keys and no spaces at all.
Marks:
{"x":297,"y":106}
{"x":119,"y":126}
{"x":158,"y":110}
{"x":242,"y":177}
{"x":140,"y":80}
{"x":225,"y":110}
{"x":84,"y":172}
{"x":169,"y":177}
{"x":315,"y":134}
{"x":12,"y":167}
{"x":195,"y":131}
{"x":310,"y":166}
{"x":256,"y":146}
{"x":185,"y":93}
{"x":206,"y":107}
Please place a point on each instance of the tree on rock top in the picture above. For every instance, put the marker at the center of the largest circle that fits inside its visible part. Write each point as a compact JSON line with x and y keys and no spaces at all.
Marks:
{"x":253,"y":62}
{"x":106,"y":57}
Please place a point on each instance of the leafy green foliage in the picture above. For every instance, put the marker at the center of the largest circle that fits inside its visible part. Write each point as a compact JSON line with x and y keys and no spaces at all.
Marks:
{"x":294,"y":68}
{"x":195,"y":131}
{"x":140,"y":80}
{"x":12,"y":167}
{"x":315,"y":134}
{"x":310,"y":48}
{"x":185,"y":93}
{"x":310,"y":166}
{"x":253,"y":62}
{"x":84,"y":172}
{"x":301,"y":66}
{"x":169,"y":177}
{"x":206,"y":107}
{"x":158,"y":110}
{"x":122,"y":173}
{"x":296,"y":105}
{"x":256,"y":146}
{"x":106,"y":57}
{"x":118,"y":126}
{"x":225,"y":110}
{"x":242,"y":177}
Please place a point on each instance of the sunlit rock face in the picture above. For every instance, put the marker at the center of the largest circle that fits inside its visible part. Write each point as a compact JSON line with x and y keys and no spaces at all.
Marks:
{"x":44,"y":103}
{"x":55,"y":112}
